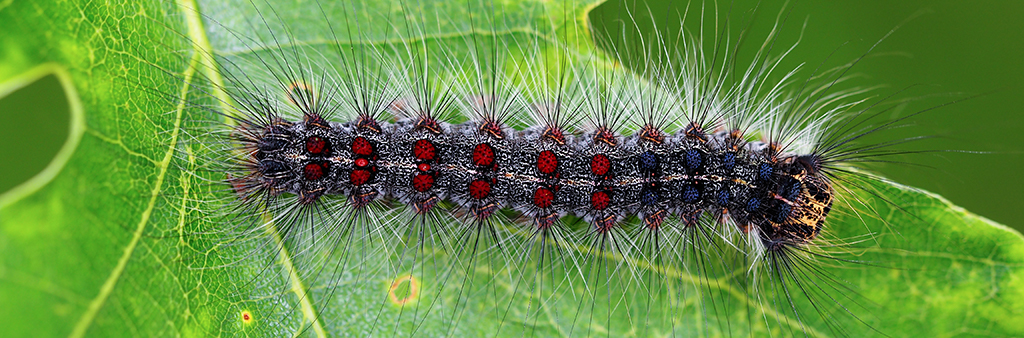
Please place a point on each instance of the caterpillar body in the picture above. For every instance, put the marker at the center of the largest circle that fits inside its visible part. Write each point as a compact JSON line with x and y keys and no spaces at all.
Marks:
{"x":544,"y":172}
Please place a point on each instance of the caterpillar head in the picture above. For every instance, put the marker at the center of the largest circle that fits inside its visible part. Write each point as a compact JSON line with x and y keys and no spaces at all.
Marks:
{"x":800,"y":203}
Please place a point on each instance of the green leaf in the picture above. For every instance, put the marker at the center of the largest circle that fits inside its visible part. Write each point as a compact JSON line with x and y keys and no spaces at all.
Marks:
{"x":114,"y":238}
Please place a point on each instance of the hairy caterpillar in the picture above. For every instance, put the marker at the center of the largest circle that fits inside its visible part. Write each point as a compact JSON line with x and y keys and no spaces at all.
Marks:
{"x":319,"y":165}
{"x":332,"y":265}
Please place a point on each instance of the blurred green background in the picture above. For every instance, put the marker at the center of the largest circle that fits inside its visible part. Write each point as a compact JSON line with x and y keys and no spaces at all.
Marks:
{"x":945,"y":50}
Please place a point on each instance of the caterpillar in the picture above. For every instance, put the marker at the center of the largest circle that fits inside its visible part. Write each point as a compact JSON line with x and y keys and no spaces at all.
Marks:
{"x":416,"y":168}
{"x":321,"y":163}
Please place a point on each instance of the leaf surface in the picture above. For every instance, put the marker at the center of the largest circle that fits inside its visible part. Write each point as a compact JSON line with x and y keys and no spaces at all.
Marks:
{"x":117,"y":241}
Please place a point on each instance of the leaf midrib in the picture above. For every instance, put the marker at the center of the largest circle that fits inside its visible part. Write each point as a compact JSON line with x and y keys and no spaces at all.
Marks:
{"x":204,"y":50}
{"x":89,"y":316}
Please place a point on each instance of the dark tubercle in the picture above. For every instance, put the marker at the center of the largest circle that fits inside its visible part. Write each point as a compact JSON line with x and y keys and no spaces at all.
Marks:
{"x":598,"y":176}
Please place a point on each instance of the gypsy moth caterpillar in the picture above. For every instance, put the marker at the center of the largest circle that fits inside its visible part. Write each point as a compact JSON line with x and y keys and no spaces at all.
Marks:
{"x":696,"y":183}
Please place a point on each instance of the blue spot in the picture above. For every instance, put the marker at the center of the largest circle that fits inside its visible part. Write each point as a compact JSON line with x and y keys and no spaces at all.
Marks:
{"x":765,"y":171}
{"x":690,"y":194}
{"x":648,"y":197}
{"x":648,"y":161}
{"x":789,"y":188}
{"x":753,"y":204}
{"x":723,"y":197}
{"x":694,"y":159}
{"x":729,"y":161}
{"x":783,"y":213}
{"x":785,"y":210}
{"x":794,"y":191}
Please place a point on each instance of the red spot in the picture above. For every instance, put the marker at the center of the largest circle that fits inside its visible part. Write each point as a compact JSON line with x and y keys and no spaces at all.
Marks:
{"x":600,"y":165}
{"x":479,"y":189}
{"x":422,"y":182}
{"x":362,"y":162}
{"x":543,"y":197}
{"x":316,"y":145}
{"x":424,"y":150}
{"x":246,"y":317}
{"x":599,"y":200}
{"x":359,"y":177}
{"x":423,"y":167}
{"x":547,"y":162}
{"x":483,"y":155}
{"x":362,"y":147}
{"x":314,"y":171}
